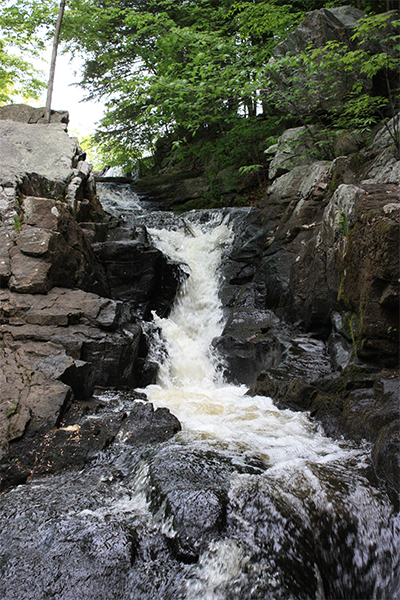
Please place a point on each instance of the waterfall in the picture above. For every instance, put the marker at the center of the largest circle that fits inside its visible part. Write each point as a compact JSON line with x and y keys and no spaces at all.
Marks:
{"x":304,"y":465}
{"x":189,"y":382}
{"x":247,"y":501}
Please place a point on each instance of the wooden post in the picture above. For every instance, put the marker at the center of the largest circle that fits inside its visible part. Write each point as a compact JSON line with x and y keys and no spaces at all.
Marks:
{"x":53,"y":61}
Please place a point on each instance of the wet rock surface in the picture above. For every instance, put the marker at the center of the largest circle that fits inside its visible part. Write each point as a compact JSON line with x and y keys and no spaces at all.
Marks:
{"x":360,"y":402}
{"x":321,"y":251}
{"x":211,"y":527}
{"x":81,"y":432}
{"x":112,"y":509}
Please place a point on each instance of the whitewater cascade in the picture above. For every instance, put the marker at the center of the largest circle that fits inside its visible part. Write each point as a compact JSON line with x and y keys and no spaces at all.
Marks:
{"x":301,"y":459}
{"x":246,"y":502}
{"x":190,"y":384}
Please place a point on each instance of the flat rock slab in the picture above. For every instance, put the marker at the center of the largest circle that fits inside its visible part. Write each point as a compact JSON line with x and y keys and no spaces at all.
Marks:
{"x":49,"y":152}
{"x":60,"y":307}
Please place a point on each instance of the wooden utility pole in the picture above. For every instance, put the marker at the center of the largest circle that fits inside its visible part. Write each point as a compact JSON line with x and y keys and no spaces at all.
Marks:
{"x":53,"y":61}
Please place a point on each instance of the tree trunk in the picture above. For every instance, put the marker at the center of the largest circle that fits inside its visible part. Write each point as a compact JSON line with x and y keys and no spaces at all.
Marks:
{"x":53,"y":61}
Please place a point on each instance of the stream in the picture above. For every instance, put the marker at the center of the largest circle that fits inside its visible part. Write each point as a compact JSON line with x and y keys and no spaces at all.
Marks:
{"x":246,"y":502}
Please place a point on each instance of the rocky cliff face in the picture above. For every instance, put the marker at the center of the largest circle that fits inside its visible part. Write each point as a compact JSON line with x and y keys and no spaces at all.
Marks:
{"x":70,"y":316}
{"x":322,"y":251}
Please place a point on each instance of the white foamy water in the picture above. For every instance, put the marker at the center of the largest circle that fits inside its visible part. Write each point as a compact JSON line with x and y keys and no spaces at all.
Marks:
{"x":189,"y":382}
{"x":116,"y":199}
{"x":307,"y":470}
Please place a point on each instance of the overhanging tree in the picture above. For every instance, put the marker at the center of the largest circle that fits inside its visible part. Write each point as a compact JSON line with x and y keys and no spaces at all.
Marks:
{"x":183,"y":68}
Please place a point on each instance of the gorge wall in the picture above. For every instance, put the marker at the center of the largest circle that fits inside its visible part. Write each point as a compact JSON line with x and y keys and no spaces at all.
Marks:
{"x":71,"y":310}
{"x":314,"y":267}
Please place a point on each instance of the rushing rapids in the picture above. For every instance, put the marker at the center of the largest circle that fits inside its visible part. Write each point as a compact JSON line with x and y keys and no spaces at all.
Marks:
{"x":247,"y":501}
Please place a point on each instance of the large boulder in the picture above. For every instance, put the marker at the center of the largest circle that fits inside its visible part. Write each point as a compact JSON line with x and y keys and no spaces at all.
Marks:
{"x":248,"y":344}
{"x":293,"y":149}
{"x":42,"y":160}
{"x":48,"y":248}
{"x":308,"y":212}
{"x":138,"y":273}
{"x":313,"y":90}
{"x":190,"y":488}
{"x":317,"y":29}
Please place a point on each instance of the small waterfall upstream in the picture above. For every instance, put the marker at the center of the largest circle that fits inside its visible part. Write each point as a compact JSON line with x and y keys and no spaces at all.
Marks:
{"x":246,"y":502}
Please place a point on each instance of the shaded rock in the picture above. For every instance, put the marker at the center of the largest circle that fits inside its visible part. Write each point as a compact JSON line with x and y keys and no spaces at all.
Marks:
{"x":317,"y":29}
{"x":340,"y":351}
{"x":383,"y":137}
{"x":248,"y":345}
{"x":52,"y":250}
{"x":239,"y":264}
{"x":86,"y":428}
{"x":34,"y":241}
{"x":294,"y":274}
{"x":304,"y":359}
{"x":7,"y":237}
{"x":190,"y":188}
{"x":61,"y":307}
{"x":293,"y":150}
{"x":28,"y":274}
{"x":177,"y":187}
{"x":140,"y":274}
{"x":386,"y":455}
{"x":368,"y":272}
{"x":31,"y":394}
{"x":144,"y":425}
{"x":65,"y":447}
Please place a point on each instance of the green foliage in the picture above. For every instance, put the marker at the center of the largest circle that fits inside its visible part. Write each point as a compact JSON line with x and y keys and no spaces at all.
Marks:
{"x":317,"y":77}
{"x":196,"y":73}
{"x":248,"y":169}
{"x":19,"y":27}
{"x":17,"y":77}
{"x":17,"y":222}
{"x":12,"y":409}
{"x":185,"y":69}
{"x":344,"y":224}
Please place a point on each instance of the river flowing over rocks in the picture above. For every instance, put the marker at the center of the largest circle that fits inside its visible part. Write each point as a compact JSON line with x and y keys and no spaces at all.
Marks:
{"x":201,"y":406}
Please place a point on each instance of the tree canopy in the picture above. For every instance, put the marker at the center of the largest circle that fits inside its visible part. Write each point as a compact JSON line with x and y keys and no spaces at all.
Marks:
{"x":191,"y":72}
{"x":19,"y":40}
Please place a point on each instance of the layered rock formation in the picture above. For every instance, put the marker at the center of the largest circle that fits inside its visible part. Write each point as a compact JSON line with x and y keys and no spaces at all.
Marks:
{"x":70,"y":316}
